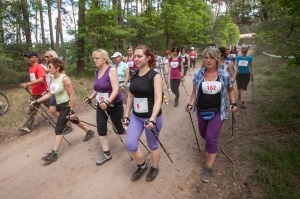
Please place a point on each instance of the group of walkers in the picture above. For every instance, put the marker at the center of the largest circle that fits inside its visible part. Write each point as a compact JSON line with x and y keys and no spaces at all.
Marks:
{"x":136,"y":82}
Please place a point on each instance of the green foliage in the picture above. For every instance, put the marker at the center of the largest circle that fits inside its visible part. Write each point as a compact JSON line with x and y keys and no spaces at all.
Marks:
{"x":279,"y":166}
{"x":278,"y":154}
{"x":225,"y":32}
{"x":276,"y":95}
{"x":280,"y":34}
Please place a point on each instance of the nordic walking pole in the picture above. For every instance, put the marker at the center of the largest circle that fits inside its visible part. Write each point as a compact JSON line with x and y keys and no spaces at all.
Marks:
{"x":232,"y":120}
{"x":40,"y":106}
{"x":185,"y":89}
{"x":119,"y":134}
{"x":146,"y":123}
{"x":188,"y":106}
{"x":50,"y":123}
{"x":85,"y":122}
{"x":115,"y":130}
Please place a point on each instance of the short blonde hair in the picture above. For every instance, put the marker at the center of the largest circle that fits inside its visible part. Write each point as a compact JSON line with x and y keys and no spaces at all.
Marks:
{"x":52,"y":53}
{"x":215,"y":53}
{"x":103,"y":54}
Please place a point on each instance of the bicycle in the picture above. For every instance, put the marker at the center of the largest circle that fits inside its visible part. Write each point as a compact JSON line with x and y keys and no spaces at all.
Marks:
{"x":4,"y":104}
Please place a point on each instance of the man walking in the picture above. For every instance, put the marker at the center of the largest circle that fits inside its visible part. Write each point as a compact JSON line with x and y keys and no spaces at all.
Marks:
{"x":38,"y":86}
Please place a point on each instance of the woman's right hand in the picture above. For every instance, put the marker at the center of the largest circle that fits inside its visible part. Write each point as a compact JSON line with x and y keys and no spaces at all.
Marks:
{"x":188,"y":108}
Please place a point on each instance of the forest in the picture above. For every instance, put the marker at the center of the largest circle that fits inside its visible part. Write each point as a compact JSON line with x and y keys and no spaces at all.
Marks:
{"x":74,"y":28}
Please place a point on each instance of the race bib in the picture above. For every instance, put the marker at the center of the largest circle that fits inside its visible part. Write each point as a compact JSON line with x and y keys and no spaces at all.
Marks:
{"x":130,"y":64}
{"x":140,"y":105}
{"x":54,"y":88}
{"x":193,"y":57}
{"x":101,"y":97}
{"x":174,"y":64}
{"x":243,"y":63}
{"x":233,"y":55}
{"x":211,"y":87}
{"x":32,"y":77}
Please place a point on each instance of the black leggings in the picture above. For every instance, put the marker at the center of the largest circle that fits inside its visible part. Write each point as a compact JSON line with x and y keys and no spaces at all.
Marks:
{"x":62,"y":120}
{"x":242,"y":81}
{"x":116,"y":114}
{"x":175,"y":88}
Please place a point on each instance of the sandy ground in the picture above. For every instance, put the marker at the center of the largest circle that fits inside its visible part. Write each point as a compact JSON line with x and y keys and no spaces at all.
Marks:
{"x":75,"y":174}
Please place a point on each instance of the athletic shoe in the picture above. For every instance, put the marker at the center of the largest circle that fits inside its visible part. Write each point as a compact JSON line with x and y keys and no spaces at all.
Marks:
{"x":139,"y":172}
{"x":207,"y":171}
{"x":243,"y":105}
{"x":89,"y":135}
{"x":175,"y":104}
{"x":50,"y":157}
{"x":103,"y":159}
{"x":24,"y":131}
{"x":67,"y":130}
{"x":152,"y":174}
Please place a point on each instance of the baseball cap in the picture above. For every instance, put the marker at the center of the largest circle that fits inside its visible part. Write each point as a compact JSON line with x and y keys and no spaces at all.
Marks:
{"x":31,"y":54}
{"x":116,"y":54}
{"x":192,"y":48}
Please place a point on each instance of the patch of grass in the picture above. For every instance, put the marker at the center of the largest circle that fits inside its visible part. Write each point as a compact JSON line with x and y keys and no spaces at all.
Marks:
{"x":279,"y":167}
{"x":277,"y":97}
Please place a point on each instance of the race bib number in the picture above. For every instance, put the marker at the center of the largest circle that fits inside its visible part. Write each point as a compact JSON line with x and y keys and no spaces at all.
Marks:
{"x":232,"y":55}
{"x":174,"y":64}
{"x":54,"y":88}
{"x":130,"y":64}
{"x":243,"y":63}
{"x":101,"y":97}
{"x":140,"y":105}
{"x":32,"y":77}
{"x":211,"y":87}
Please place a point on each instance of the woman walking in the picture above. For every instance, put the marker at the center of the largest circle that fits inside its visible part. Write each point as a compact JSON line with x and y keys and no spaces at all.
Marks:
{"x":210,"y":86}
{"x":62,"y":88}
{"x":109,"y":98}
{"x":176,"y":73}
{"x":144,"y":99}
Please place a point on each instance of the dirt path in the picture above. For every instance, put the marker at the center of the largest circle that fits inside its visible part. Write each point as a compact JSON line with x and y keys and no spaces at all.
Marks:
{"x":75,"y":175}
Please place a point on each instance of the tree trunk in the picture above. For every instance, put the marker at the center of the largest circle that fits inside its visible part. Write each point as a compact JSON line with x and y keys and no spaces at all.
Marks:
{"x":59,"y":27}
{"x":81,"y":33}
{"x":1,"y":25}
{"x":42,"y":21}
{"x":50,"y":24}
{"x":26,"y":22}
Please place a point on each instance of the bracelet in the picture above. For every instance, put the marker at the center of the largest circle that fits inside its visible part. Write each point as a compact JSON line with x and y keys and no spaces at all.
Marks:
{"x":153,"y":122}
{"x":125,"y":118}
{"x":71,"y":112}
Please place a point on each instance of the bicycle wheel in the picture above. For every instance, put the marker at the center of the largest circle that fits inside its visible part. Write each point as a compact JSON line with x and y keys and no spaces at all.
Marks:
{"x":4,"y":104}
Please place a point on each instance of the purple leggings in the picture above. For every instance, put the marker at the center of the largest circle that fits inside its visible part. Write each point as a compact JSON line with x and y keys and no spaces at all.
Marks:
{"x":210,"y":131}
{"x":135,"y":130}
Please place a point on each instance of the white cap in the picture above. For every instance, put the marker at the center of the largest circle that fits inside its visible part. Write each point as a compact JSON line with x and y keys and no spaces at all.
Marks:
{"x":192,"y":48}
{"x":116,"y":54}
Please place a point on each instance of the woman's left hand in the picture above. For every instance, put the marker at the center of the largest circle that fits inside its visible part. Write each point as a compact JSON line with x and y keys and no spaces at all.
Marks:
{"x":103,"y":105}
{"x":149,"y":125}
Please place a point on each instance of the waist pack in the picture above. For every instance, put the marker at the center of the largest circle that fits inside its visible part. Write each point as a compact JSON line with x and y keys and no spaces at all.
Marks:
{"x":207,"y":115}
{"x":62,"y":106}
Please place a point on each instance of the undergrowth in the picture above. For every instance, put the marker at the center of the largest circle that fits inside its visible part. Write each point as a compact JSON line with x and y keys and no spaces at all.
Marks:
{"x":277,"y":101}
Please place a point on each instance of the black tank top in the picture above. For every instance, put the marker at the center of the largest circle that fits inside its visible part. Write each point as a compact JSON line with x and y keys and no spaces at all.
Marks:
{"x":208,"y":102}
{"x":142,"y":87}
